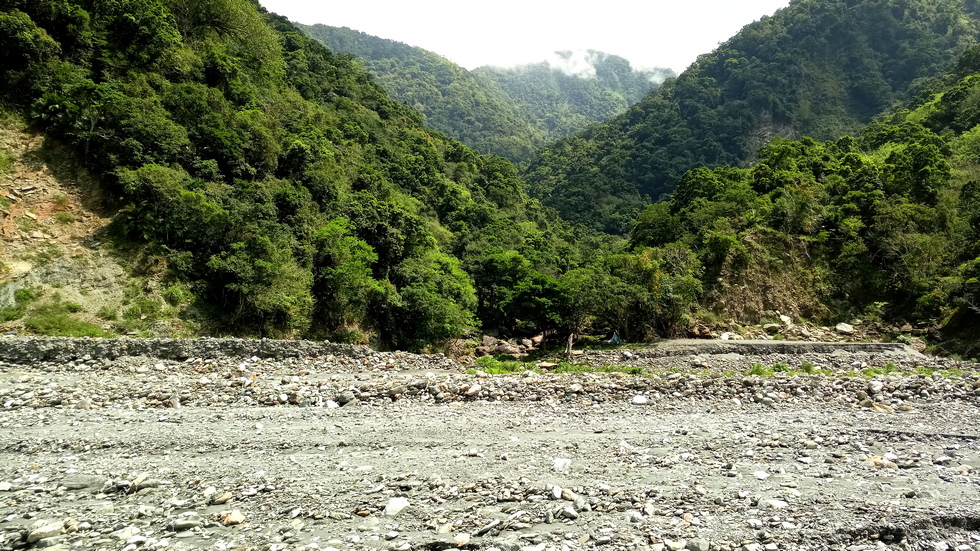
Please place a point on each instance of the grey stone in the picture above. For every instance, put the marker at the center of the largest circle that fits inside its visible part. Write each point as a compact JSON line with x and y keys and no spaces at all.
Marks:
{"x":187,"y":523}
{"x":698,"y":544}
{"x":47,"y":530}
{"x":124,"y":534}
{"x":345,"y":398}
{"x":82,"y":482}
{"x":48,"y":542}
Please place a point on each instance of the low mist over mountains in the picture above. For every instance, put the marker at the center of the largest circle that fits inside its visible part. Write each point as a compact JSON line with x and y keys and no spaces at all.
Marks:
{"x":572,"y":90}
{"x":816,"y":68}
{"x":505,"y":111}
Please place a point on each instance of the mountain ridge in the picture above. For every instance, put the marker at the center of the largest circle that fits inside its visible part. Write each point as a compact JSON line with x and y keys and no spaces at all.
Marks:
{"x":813,"y":68}
{"x":505,"y":111}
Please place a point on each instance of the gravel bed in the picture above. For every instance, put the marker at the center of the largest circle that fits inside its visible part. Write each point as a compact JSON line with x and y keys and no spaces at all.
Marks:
{"x":351,"y":449}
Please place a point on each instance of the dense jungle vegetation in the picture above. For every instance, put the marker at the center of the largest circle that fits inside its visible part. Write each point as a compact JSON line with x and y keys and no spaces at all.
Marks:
{"x":282,"y":186}
{"x":817,"y":68}
{"x":574,"y":90}
{"x":290,"y":196}
{"x":511,"y":112}
{"x":454,"y":101}
{"x":884,"y":225}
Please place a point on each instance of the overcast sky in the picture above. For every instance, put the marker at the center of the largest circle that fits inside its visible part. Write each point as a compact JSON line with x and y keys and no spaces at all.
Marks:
{"x":663,"y":33}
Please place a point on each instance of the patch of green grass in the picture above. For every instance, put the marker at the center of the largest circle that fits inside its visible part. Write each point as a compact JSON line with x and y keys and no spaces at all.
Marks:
{"x":27,"y":295}
{"x":11,"y":313}
{"x":60,"y":199}
{"x":54,"y":320}
{"x":108,"y":313}
{"x":26,"y":224}
{"x":565,"y":367}
{"x":64,"y":218}
{"x":869,"y":372}
{"x":495,"y":365}
{"x":6,"y":162}
{"x":46,"y":255}
{"x":930,"y":371}
{"x":145,"y":308}
{"x":809,"y":369}
{"x":23,"y":297}
{"x":759,"y":370}
{"x":780,"y":367}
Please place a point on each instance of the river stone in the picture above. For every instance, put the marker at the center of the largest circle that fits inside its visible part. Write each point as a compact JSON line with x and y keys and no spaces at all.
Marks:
{"x":82,"y":481}
{"x":395,"y":506}
{"x":48,"y":530}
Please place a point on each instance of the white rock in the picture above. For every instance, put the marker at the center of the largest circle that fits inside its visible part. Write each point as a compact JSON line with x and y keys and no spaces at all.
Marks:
{"x":562,"y":464}
{"x":639,"y":400}
{"x":761,"y":475}
{"x":395,"y":506}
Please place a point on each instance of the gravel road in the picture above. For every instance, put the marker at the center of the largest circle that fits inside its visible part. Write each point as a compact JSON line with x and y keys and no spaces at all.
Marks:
{"x":844,"y":449}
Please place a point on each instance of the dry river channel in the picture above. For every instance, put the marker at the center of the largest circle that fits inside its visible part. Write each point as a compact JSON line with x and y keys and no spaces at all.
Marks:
{"x":268,"y":445}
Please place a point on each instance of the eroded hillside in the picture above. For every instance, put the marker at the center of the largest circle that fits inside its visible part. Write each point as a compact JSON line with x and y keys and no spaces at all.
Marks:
{"x":57,"y":273}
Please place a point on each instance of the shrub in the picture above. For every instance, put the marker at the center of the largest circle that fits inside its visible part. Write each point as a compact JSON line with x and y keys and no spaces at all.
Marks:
{"x":177,"y":294}
{"x":108,"y":313}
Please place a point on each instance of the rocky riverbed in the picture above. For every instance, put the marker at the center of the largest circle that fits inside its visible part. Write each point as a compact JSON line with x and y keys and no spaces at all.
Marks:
{"x":261,"y":445}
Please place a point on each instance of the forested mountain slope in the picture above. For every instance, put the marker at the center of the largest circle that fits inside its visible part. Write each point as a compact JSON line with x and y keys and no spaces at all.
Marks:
{"x":819,"y":68}
{"x":575,"y":89}
{"x":505,"y":111}
{"x":453,"y":101}
{"x":884,"y":226}
{"x":283,"y":190}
